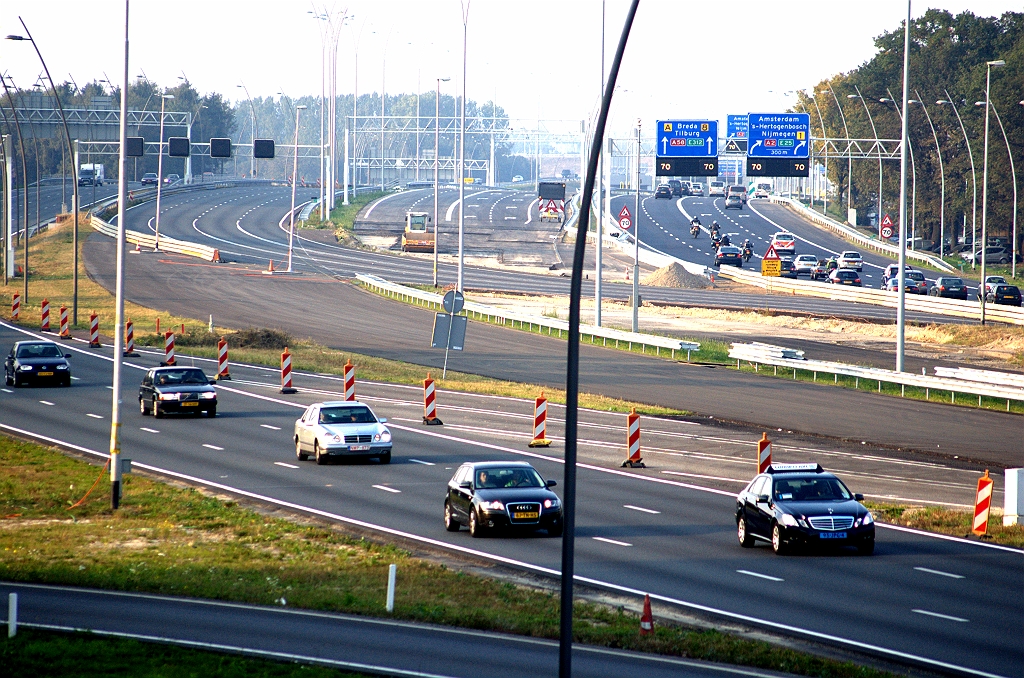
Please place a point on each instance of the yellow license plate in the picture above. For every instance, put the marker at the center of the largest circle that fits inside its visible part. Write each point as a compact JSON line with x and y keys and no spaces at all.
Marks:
{"x":525,"y":515}
{"x":45,"y":374}
{"x":190,"y":404}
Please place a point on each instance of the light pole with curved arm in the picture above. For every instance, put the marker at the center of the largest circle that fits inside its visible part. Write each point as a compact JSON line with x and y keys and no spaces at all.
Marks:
{"x":849,"y":160}
{"x":974,"y":177}
{"x":295,"y":181}
{"x":160,"y":168}
{"x":1013,"y":174}
{"x":942,"y":176}
{"x":913,"y":170}
{"x":254,"y":168}
{"x":437,"y":155}
{"x":821,"y":121}
{"x":877,"y":146}
{"x":24,"y":193}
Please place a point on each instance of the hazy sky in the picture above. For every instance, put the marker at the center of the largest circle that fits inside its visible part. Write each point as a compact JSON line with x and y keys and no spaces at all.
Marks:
{"x":539,"y":58}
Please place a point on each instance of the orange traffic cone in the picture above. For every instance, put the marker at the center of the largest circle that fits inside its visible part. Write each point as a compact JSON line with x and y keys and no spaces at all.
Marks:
{"x":270,"y":268}
{"x":646,"y":619}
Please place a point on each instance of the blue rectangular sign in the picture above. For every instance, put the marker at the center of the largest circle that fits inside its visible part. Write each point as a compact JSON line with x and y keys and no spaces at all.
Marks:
{"x":736,"y":126}
{"x":778,"y":135}
{"x":687,"y":138}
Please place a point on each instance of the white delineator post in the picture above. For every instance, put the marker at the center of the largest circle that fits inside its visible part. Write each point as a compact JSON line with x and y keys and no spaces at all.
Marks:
{"x":12,"y":614}
{"x":1013,"y":496}
{"x":392,"y":569}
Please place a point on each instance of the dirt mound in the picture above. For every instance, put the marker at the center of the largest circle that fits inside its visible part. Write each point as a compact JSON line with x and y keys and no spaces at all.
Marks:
{"x":674,"y":275}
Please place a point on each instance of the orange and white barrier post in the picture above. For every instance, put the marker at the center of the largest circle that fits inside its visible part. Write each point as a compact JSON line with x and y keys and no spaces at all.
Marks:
{"x":633,"y":441}
{"x":65,"y":327}
{"x":129,"y":339}
{"x":764,"y":453}
{"x":430,"y":417}
{"x":540,"y":422}
{"x":350,"y":380}
{"x":94,"y":330}
{"x":15,"y":306}
{"x":982,"y":505}
{"x":647,"y":619}
{"x":158,"y":325}
{"x":44,"y":325}
{"x":286,"y":372}
{"x":222,"y":360}
{"x":169,"y":349}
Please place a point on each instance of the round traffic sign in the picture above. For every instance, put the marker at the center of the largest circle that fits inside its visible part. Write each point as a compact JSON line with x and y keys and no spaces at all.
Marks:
{"x":625,"y":223}
{"x":886,"y":231}
{"x":453,"y":301}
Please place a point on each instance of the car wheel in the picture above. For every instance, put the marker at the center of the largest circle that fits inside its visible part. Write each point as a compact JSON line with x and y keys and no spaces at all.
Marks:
{"x":777,"y":544}
{"x":299,"y":454}
{"x":142,"y":407}
{"x":556,"y":529}
{"x":1004,"y":260}
{"x":157,"y":412}
{"x":475,"y":528}
{"x":321,"y":459}
{"x":450,"y":523}
{"x":385,"y":458}
{"x":746,"y":540}
{"x":212,"y":412}
{"x":866,"y":548}
{"x":7,"y":379}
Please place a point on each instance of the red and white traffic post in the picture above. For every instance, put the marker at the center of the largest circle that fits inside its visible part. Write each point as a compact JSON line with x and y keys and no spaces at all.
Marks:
{"x":222,"y":360}
{"x":764,"y":453}
{"x":286,"y":372}
{"x":982,"y":505}
{"x":430,"y":417}
{"x":540,"y":422}
{"x":129,"y":339}
{"x":44,"y":325}
{"x":15,"y":306}
{"x":350,"y":380}
{"x":94,"y":330}
{"x":65,"y":327}
{"x":647,"y":618}
{"x":634,"y":460}
{"x":169,"y":349}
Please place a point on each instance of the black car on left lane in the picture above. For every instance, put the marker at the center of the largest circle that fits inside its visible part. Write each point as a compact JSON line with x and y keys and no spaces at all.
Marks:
{"x":177,"y":389}
{"x":37,"y":362}
{"x":497,"y":495}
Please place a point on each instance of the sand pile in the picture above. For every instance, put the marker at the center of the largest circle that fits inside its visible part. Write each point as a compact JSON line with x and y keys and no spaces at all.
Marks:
{"x":674,"y":275}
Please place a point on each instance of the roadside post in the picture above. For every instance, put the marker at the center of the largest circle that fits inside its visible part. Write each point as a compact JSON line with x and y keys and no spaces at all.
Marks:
{"x":350,"y":380}
{"x":634,"y":460}
{"x":222,"y":360}
{"x":169,"y":349}
{"x":430,"y":417}
{"x":1013,"y":496}
{"x":65,"y":328}
{"x":15,"y":306}
{"x":982,"y":505}
{"x":129,"y":339}
{"x":12,"y":615}
{"x":44,"y":325}
{"x":286,"y":372}
{"x":540,"y":422}
{"x":764,"y":453}
{"x":94,"y":330}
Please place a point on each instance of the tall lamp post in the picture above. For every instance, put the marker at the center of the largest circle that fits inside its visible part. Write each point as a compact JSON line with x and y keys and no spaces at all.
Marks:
{"x":913,"y":171}
{"x":984,"y":184}
{"x":1013,"y":175}
{"x":74,"y":195}
{"x":254,"y":129}
{"x":160,"y":168}
{"x":974,"y":176}
{"x":636,"y":238}
{"x":877,"y":147}
{"x":24,"y":193}
{"x":295,"y":181}
{"x":942,"y":176}
{"x":437,"y":154}
{"x":462,"y":145}
{"x":849,"y":158}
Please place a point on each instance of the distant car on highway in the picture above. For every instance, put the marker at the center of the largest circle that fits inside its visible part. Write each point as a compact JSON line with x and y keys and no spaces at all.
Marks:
{"x":993,"y":255}
{"x":177,"y":389}
{"x":517,"y":178}
{"x":663,"y":191}
{"x":851,"y":259}
{"x":845,"y":276}
{"x":991,"y":281}
{"x":1008,"y":295}
{"x":344,"y":428}
{"x":918,"y":279}
{"x":794,"y":505}
{"x":913,"y":285}
{"x":784,"y":243}
{"x":805,"y":264}
{"x":891,"y":271}
{"x":788,"y":269}
{"x":951,"y":288}
{"x":821,"y":270}
{"x":737,"y":190}
{"x":733,"y":201}
{"x":501,"y":495}
{"x":171,"y":179}
{"x":717,"y":188}
{"x":729,"y":255}
{"x":149,"y":178}
{"x":697,"y":189}
{"x":677,"y":188}
{"x":762,"y":190}
{"x":36,"y":362}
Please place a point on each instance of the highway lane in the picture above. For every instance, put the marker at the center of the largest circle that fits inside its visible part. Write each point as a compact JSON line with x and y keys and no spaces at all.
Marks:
{"x":686,"y":555}
{"x":363,"y":644}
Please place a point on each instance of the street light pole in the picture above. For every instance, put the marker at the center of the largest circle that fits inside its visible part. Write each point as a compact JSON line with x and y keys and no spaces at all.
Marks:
{"x":1013,"y":174}
{"x":437,"y":153}
{"x":913,"y":174}
{"x":254,"y":128}
{"x":295,"y":174}
{"x":462,"y":147}
{"x":24,"y":193}
{"x":984,"y":185}
{"x":877,"y":148}
{"x":849,"y":158}
{"x":636,"y":238}
{"x":942,"y":177}
{"x":901,"y":304}
{"x":974,"y":176}
{"x":160,"y":168}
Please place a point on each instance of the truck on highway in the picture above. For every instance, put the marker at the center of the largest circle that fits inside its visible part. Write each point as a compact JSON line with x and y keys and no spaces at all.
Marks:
{"x":417,"y":238}
{"x":91,"y":174}
{"x":551,"y":200}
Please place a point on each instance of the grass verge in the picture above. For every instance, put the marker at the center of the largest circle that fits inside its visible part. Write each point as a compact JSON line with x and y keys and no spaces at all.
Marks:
{"x":343,"y":217}
{"x":954,"y":522}
{"x":179,"y":542}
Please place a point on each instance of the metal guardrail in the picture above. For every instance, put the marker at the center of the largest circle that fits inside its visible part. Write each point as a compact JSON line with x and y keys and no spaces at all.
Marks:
{"x":983,"y":376}
{"x":766,"y":354}
{"x":541,"y":322}
{"x":149,"y":240}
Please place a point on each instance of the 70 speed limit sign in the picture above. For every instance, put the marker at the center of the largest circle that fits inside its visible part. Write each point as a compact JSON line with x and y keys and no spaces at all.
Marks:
{"x":886,"y":231}
{"x":625,"y":219}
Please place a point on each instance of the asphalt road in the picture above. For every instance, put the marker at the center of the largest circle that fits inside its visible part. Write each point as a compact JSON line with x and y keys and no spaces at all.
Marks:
{"x":905,"y":603}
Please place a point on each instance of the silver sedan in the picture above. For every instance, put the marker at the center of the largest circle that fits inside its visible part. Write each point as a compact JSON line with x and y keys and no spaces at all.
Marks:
{"x":341,"y":428}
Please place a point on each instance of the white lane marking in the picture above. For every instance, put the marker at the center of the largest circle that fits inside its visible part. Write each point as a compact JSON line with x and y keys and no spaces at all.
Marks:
{"x":386,"y":197}
{"x":698,"y":475}
{"x":76,"y":378}
{"x":46,"y":402}
{"x":529,"y":210}
{"x":425,"y":463}
{"x":94,"y":416}
{"x":6,"y":390}
{"x":941,"y":616}
{"x":451,"y":208}
{"x":612,"y":541}
{"x":940,"y":573}
{"x":387,"y":489}
{"x":760,"y":576}
{"x":281,"y":463}
{"x":272,"y":428}
{"x":213,"y":447}
{"x":640,"y":508}
{"x":148,"y":430}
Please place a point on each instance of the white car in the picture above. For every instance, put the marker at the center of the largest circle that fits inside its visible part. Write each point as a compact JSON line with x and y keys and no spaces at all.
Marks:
{"x":517,"y":178}
{"x":341,"y":428}
{"x":851,"y":259}
{"x":717,"y":188}
{"x":784,"y":243}
{"x":805,"y":263}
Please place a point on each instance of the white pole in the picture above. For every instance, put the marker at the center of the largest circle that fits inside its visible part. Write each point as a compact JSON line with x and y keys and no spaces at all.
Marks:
{"x":601,"y":191}
{"x":437,"y":155}
{"x":462,"y":146}
{"x":1013,"y":174}
{"x":9,"y":188}
{"x":984,"y":187}
{"x":636,"y":239}
{"x":901,"y":309}
{"x":12,"y":611}
{"x":391,"y":587}
{"x":159,"y":162}
{"x":345,"y":174}
{"x":295,"y":181}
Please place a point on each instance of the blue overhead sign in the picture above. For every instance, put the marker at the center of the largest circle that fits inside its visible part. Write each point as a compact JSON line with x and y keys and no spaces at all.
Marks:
{"x":778,"y":135}
{"x":687,"y":138}
{"x":736,"y":126}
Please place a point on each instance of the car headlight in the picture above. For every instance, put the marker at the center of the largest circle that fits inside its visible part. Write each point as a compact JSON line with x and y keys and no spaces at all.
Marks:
{"x":170,"y":396}
{"x":62,"y":367}
{"x":383,"y":437}
{"x":788,"y":520}
{"x":551,"y":503}
{"x":492,"y":505}
{"x":25,"y":368}
{"x":208,"y":395}
{"x":866,"y":520}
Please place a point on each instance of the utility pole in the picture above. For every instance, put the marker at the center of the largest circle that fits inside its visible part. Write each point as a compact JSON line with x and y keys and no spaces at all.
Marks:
{"x":636,"y":238}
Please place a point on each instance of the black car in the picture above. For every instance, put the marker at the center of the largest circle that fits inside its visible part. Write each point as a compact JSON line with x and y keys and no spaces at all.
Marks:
{"x":788,"y":269}
{"x":37,"y":362}
{"x":177,"y":389}
{"x":729,"y":254}
{"x":1004,"y":294}
{"x":497,"y":495}
{"x":953,"y":288}
{"x":845,"y":276}
{"x":677,"y":188}
{"x":801,"y":504}
{"x":149,"y":178}
{"x":663,"y":191}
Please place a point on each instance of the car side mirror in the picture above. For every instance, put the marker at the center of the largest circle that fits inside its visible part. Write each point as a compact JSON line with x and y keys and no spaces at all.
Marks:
{"x":66,"y":356}
{"x":383,"y":420}
{"x":465,"y":484}
{"x":859,"y":496}
{"x":763,"y":499}
{"x":212,"y":381}
{"x":552,"y":483}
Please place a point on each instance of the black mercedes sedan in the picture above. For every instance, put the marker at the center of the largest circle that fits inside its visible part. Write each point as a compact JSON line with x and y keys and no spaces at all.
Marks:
{"x":37,"y":362}
{"x":495,"y":495}
{"x":177,"y":389}
{"x":801,"y":504}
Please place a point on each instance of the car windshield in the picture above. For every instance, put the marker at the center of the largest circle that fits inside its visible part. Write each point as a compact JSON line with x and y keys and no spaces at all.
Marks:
{"x":953,"y":282}
{"x":39,"y":351}
{"x":845,"y":274}
{"x":810,"y":489}
{"x":346,"y":415}
{"x":174,"y":377}
{"x":516,"y":476}
{"x":851,"y":255}
{"x":914,"y":275}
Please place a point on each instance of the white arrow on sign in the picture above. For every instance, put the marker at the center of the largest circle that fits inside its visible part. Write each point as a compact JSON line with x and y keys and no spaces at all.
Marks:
{"x":802,"y":143}
{"x":756,"y":144}
{"x":664,"y":145}
{"x":709,"y":142}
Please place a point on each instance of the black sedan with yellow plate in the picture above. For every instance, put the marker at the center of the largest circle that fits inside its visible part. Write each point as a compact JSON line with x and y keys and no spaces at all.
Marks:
{"x":37,"y":362}
{"x":177,"y":389}
{"x":501,"y":495}
{"x":801,"y":504}
{"x":730,"y":255}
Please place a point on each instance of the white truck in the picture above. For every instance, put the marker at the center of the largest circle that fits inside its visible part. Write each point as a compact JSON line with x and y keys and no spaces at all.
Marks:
{"x":91,"y":174}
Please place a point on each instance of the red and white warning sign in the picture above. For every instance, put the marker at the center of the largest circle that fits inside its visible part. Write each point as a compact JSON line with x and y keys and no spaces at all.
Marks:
{"x":886,"y":228}
{"x":771,"y":254}
{"x":982,"y":505}
{"x":625,"y":219}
